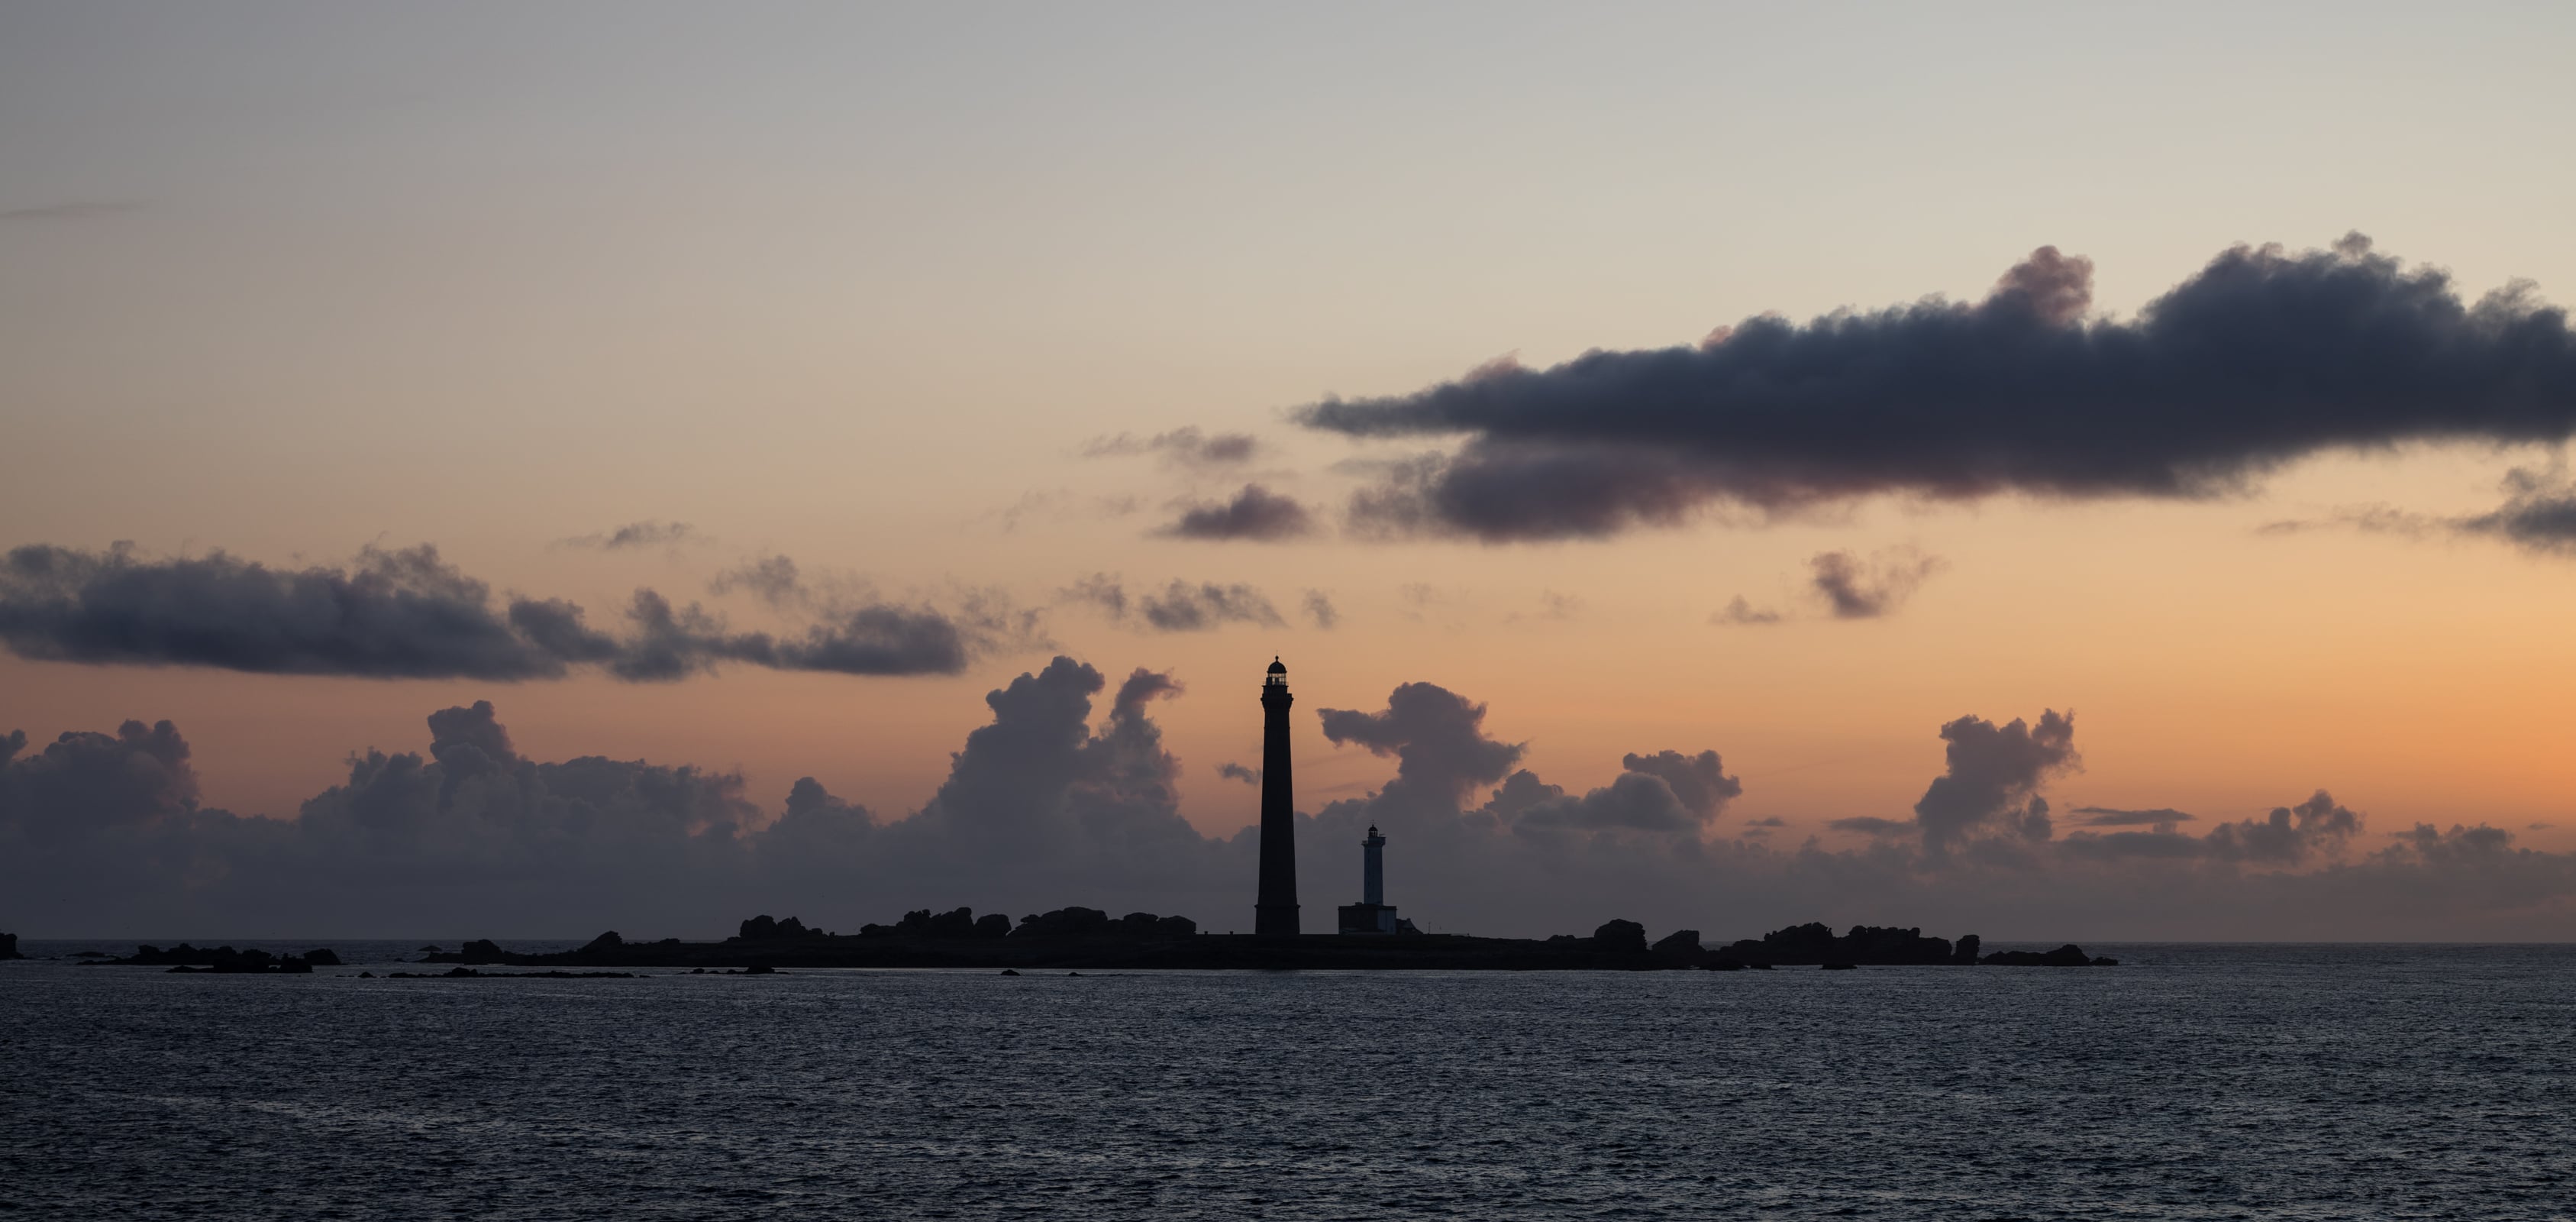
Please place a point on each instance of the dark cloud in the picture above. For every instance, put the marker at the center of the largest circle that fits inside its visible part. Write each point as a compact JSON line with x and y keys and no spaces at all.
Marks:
{"x":1857,"y":589}
{"x":2262,"y":357}
{"x":1993,"y":775}
{"x":1186,"y":446}
{"x":410,"y":615}
{"x":672,"y":643}
{"x":633,"y":534}
{"x":1236,"y":772}
{"x":2111,"y":816}
{"x":1320,"y":612}
{"x":1178,"y":607}
{"x":390,"y":614}
{"x":1256,"y":514}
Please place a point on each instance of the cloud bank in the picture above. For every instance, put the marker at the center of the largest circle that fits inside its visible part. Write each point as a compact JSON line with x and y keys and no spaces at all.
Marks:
{"x":407,"y":614}
{"x":2262,"y":357}
{"x":1067,"y":795}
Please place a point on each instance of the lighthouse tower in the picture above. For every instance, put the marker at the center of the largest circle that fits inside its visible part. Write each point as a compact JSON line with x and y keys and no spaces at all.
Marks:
{"x":1274,"y":912}
{"x":1373,"y":914}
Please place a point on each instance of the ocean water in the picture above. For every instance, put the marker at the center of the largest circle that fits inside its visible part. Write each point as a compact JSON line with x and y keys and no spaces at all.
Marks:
{"x":2191,"y":1082}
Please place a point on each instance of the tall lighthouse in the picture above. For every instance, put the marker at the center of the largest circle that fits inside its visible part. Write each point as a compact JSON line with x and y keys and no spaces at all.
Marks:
{"x":1274,"y":913}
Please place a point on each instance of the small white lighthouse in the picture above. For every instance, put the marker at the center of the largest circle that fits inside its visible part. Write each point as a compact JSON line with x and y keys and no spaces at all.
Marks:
{"x":1373,"y":914}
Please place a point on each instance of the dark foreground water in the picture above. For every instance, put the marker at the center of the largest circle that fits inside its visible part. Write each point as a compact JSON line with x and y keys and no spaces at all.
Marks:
{"x":2193,"y":1082}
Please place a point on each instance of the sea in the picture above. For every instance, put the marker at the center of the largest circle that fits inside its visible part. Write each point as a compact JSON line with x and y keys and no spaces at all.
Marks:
{"x":2191,"y":1081}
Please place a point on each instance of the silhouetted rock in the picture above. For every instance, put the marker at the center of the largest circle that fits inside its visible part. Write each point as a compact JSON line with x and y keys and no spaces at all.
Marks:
{"x":366,"y":975}
{"x":1726,"y":965}
{"x":992,"y":925}
{"x":1681,"y":946}
{"x":467,"y":973}
{"x":1967,"y":952}
{"x":321,"y":957}
{"x":763,"y":929}
{"x":1841,"y":967}
{"x":1009,"y":972}
{"x":1815,"y":943}
{"x":1177,"y":927}
{"x":2105,"y":961}
{"x":1063,"y":922}
{"x":607,"y":943}
{"x":760,"y":969}
{"x":480,"y":950}
{"x":1617,"y":935}
{"x":2069,"y":955}
{"x":9,"y":946}
{"x":187,"y":958}
{"x":955,"y":923}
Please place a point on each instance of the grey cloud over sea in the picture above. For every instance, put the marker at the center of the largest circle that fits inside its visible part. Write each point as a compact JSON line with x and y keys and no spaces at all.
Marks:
{"x":409,"y":614}
{"x":2262,"y":357}
{"x":1068,"y":795}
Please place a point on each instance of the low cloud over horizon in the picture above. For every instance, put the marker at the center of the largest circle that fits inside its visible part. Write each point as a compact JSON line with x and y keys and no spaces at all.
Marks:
{"x":408,"y":614}
{"x":2261,"y":358}
{"x":103,"y":834}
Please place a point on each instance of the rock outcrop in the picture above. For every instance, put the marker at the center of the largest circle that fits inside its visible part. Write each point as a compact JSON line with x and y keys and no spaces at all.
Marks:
{"x":187,"y":958}
{"x":2069,"y":955}
{"x":1620,"y":936}
{"x":1865,"y":944}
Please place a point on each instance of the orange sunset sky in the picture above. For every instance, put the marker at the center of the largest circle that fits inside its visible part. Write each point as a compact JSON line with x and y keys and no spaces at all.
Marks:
{"x":906,"y":296}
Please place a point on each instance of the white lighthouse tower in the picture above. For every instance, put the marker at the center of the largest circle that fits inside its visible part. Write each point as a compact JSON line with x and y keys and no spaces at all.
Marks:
{"x":1373,"y":914}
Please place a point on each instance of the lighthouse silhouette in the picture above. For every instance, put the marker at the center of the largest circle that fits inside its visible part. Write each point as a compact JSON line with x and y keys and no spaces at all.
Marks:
{"x":1274,"y":911}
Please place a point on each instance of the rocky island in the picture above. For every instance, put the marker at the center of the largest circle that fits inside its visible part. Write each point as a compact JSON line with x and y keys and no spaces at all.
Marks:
{"x":1079,"y":937}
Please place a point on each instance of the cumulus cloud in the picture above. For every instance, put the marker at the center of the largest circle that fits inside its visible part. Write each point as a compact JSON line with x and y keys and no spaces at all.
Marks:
{"x":1179,"y":607}
{"x":1993,"y":777}
{"x":2262,"y":357}
{"x":408,"y":614}
{"x":633,"y":534}
{"x":1058,"y":800}
{"x":1255,"y":514}
{"x":1186,"y":447}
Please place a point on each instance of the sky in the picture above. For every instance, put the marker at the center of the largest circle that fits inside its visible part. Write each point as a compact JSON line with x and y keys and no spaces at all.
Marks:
{"x":1829,"y":389}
